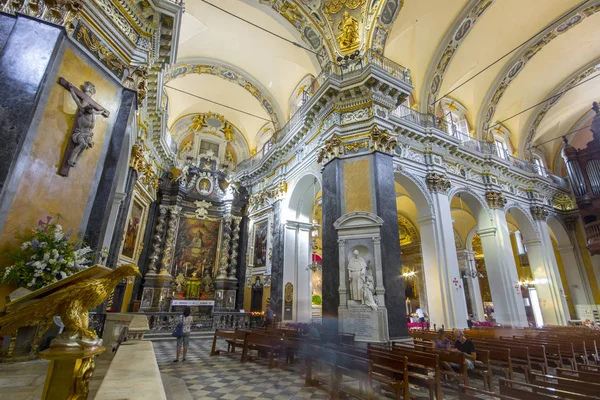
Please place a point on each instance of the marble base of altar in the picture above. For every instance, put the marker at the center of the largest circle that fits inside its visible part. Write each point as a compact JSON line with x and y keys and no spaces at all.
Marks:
{"x":225,"y":294}
{"x":157,"y":292}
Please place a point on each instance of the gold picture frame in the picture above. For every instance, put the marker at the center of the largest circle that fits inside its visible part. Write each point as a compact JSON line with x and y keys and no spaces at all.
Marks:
{"x":132,"y":241}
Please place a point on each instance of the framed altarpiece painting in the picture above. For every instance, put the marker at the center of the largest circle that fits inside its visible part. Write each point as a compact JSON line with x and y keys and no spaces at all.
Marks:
{"x":135,"y":226}
{"x":260,"y":244}
{"x":196,"y":255}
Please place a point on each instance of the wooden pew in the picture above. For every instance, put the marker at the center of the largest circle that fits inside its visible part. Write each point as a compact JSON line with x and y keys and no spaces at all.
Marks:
{"x":527,"y":391}
{"x":588,"y":376}
{"x":234,"y":339}
{"x":566,"y":384}
{"x":267,"y":345}
{"x":469,"y":393}
{"x":421,"y":364}
{"x":390,"y":370}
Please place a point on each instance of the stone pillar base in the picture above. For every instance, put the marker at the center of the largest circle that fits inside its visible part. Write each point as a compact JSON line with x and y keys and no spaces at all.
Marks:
{"x":156,"y":295}
{"x":225,"y":293}
{"x":69,"y":372}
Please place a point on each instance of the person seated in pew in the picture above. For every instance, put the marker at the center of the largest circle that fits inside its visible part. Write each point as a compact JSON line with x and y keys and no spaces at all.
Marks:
{"x":465,"y":345}
{"x":311,"y":331}
{"x":441,"y":341}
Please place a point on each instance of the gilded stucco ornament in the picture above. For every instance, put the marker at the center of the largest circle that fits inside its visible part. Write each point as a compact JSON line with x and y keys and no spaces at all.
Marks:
{"x":495,"y":199}
{"x":268,"y":195}
{"x":437,"y":183}
{"x":202,"y":208}
{"x":539,"y":213}
{"x":331,"y":149}
{"x":348,"y":37}
{"x":382,"y":141}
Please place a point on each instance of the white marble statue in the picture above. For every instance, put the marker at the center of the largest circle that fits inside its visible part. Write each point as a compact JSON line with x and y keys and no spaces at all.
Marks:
{"x":368,"y":288}
{"x":356,"y":268}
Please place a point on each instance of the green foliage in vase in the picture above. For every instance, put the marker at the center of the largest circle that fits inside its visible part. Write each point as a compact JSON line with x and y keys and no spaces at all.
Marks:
{"x":46,"y":256}
{"x":317,"y":300}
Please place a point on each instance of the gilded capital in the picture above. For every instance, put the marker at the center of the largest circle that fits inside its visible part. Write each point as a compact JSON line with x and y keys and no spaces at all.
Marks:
{"x":539,"y":213}
{"x":382,"y":141}
{"x":438,"y":183}
{"x":495,"y":199}
{"x":331,"y":149}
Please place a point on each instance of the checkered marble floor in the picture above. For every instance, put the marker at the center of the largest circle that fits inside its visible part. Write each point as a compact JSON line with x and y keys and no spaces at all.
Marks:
{"x":224,"y":377}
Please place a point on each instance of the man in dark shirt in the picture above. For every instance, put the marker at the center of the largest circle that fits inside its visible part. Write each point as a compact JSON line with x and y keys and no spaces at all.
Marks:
{"x":466,"y":346}
{"x":270,"y":316}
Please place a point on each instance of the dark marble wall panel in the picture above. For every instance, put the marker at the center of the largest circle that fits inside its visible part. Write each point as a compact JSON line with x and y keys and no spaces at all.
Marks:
{"x":144,"y":260}
{"x":23,"y":75}
{"x":7,"y":23}
{"x":121,"y":222}
{"x":241,"y":271}
{"x":98,"y":219}
{"x":332,"y":210}
{"x":277,"y":262}
{"x":385,"y":195}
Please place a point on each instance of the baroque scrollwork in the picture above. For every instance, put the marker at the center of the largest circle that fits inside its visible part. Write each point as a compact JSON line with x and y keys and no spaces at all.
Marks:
{"x":268,"y":195}
{"x":437,"y":183}
{"x":147,"y":174}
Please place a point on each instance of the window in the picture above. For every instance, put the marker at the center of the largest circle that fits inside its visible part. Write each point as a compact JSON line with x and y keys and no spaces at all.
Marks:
{"x":458,"y":125}
{"x":206,"y":146}
{"x":267,"y":146}
{"x":501,"y":149}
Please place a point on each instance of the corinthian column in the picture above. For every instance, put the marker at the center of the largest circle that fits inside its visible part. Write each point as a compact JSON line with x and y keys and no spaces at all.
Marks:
{"x":235,"y":236}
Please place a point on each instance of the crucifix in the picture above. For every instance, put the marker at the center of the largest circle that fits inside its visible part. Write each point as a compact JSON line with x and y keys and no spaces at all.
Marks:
{"x":85,"y":119}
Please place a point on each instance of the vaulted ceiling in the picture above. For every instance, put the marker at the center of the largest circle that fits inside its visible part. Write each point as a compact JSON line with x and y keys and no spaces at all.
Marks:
{"x":498,"y":58}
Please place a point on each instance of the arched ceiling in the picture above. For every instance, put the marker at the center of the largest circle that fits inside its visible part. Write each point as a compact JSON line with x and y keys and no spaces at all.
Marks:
{"x":464,"y":49}
{"x":559,"y":44}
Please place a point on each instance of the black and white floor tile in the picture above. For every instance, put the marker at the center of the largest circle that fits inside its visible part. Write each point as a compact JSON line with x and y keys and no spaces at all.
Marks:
{"x":225,"y":377}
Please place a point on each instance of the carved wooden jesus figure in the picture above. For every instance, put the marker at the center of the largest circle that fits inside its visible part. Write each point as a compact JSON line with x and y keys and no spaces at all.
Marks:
{"x":83,"y":129}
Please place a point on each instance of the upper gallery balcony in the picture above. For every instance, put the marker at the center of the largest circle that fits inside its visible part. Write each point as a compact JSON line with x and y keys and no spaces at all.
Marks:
{"x":396,"y":79}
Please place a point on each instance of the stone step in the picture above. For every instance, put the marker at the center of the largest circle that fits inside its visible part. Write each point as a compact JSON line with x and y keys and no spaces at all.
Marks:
{"x":179,"y":389}
{"x":167,"y":386}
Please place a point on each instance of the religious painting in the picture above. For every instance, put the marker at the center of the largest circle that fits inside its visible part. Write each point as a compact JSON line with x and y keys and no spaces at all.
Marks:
{"x":260,"y":243}
{"x":195,"y":256}
{"x":133,"y":235}
{"x":132,"y":231}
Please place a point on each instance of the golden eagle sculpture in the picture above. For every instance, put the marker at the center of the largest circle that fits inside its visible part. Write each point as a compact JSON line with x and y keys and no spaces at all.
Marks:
{"x":70,"y":298}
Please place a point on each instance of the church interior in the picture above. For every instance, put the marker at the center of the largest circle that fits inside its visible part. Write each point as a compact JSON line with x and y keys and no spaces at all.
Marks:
{"x":299,"y":199}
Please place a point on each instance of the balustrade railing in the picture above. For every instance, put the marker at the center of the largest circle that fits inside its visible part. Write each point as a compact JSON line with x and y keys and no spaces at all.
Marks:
{"x":592,"y":231}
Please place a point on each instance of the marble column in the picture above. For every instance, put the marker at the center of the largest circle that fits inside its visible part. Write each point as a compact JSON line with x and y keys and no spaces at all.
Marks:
{"x":169,"y":248}
{"x":545,"y":272}
{"x":235,"y":241}
{"x":225,"y":238}
{"x":226,"y":282}
{"x":296,"y":270}
{"x":277,"y":246}
{"x":440,"y":262}
{"x":156,"y":284}
{"x":467,"y":265}
{"x":509,"y":308}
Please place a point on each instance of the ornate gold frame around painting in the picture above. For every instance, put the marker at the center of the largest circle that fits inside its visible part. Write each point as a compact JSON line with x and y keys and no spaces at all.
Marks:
{"x":262,"y":218}
{"x":140,"y":202}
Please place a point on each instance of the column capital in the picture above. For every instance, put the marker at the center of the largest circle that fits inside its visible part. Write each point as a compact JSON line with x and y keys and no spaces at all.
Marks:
{"x":566,"y":247}
{"x":532,"y":242}
{"x":539,"y":213}
{"x":438,"y":183}
{"x":486,"y":232}
{"x":331,"y":149}
{"x":426,"y":219}
{"x":382,"y":141}
{"x":495,"y":199}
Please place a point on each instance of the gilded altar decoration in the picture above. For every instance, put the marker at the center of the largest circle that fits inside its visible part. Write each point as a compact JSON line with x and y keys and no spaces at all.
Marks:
{"x":104,"y":54}
{"x":437,"y":183}
{"x":539,"y":213}
{"x":69,"y":299}
{"x":196,"y":252}
{"x":335,"y":6}
{"x":83,"y":128}
{"x":495,"y":199}
{"x":202,"y":208}
{"x":132,"y":231}
{"x":408,"y":233}
{"x":228,"y":132}
{"x":198,"y":122}
{"x":46,"y":256}
{"x":348,"y":37}
{"x":146,"y":171}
